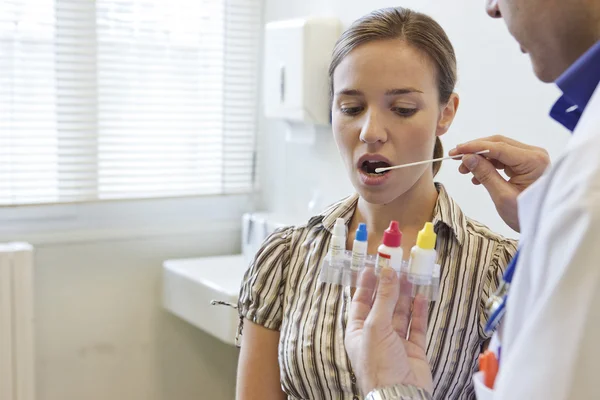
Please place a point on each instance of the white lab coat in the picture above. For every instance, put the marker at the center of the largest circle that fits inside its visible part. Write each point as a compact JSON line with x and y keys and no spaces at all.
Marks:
{"x":551,"y":331}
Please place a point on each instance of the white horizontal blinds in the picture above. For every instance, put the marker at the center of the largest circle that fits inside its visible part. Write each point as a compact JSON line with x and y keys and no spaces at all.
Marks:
{"x":28,"y":141}
{"x":150,"y":98}
{"x":166,"y":121}
{"x":77,"y":100}
{"x":153,"y":108}
{"x":242,"y":38}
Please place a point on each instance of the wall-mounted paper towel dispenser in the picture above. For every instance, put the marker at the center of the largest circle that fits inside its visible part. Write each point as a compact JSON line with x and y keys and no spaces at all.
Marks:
{"x":297,"y":57}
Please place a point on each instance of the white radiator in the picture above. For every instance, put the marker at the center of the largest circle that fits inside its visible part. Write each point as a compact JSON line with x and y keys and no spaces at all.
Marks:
{"x":17,"y":372}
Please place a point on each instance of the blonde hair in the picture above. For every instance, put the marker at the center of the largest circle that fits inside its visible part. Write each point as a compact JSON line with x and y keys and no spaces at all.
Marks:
{"x":416,"y":29}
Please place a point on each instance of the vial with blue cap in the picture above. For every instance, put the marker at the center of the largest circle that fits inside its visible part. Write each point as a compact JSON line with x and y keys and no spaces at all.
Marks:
{"x":358,"y":257}
{"x":359,"y":248}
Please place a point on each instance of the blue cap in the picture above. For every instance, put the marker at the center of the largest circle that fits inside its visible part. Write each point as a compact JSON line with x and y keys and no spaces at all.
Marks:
{"x":361,"y":233}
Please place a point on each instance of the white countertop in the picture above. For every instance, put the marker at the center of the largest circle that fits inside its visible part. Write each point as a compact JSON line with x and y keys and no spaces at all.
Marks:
{"x":189,"y":285}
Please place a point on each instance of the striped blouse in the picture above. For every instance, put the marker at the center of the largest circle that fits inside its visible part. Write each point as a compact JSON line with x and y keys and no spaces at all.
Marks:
{"x":280,"y":291}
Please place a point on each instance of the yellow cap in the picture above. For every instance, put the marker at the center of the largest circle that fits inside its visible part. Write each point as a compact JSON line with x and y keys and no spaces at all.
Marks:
{"x":426,"y":238}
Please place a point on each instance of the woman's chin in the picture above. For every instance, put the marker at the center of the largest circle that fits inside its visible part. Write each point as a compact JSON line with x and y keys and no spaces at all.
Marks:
{"x":385,"y":192}
{"x":378,"y":195}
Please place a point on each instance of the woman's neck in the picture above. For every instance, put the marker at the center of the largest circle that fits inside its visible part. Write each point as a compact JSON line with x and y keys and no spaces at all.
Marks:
{"x":411,"y":210}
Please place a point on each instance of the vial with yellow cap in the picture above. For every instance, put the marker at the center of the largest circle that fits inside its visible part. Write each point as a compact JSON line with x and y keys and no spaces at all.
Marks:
{"x":423,"y":257}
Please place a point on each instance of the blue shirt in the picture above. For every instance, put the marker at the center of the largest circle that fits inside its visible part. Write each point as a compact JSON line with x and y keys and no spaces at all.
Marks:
{"x":578,"y":84}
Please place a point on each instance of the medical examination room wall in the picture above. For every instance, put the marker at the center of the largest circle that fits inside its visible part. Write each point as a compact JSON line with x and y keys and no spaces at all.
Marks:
{"x":499,"y":95}
{"x":101,"y":330}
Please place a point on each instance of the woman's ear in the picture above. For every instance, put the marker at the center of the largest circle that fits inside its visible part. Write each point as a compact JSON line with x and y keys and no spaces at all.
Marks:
{"x":447,"y":115}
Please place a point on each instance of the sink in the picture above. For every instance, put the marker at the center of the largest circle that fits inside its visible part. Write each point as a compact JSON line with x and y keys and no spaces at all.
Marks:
{"x":189,"y":285}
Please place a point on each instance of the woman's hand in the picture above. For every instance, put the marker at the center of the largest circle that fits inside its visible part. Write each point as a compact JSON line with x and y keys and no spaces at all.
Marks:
{"x":522,"y":163}
{"x":382,"y":348}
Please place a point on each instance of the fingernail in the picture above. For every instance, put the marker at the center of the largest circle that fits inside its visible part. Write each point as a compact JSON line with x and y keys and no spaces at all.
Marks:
{"x":386,"y":275}
{"x":471,"y":162}
{"x":455,"y":150}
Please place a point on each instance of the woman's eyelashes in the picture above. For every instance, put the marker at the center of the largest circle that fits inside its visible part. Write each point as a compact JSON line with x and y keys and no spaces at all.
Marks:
{"x":402,"y":111}
{"x":351,"y":110}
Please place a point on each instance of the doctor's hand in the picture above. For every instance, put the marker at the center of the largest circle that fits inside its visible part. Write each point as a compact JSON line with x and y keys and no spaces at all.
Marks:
{"x":523,"y":164}
{"x":384,"y":346}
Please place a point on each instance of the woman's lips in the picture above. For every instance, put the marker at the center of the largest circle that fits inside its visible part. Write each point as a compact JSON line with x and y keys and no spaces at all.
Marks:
{"x":373,"y":158}
{"x":373,"y":179}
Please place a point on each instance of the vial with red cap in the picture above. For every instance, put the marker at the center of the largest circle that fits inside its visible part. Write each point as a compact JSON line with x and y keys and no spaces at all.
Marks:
{"x":389,"y":253}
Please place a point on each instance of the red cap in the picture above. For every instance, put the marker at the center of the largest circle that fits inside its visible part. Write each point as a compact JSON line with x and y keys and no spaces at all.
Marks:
{"x":392,"y":235}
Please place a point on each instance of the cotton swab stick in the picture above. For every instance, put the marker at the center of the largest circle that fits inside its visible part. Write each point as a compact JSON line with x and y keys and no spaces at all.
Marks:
{"x":380,"y":170}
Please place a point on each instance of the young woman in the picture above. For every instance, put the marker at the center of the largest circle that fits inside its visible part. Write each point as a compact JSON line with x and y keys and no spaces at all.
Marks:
{"x":393,"y":75}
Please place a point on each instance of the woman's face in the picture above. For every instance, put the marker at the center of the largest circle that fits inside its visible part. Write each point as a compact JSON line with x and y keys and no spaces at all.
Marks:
{"x":386,"y":111}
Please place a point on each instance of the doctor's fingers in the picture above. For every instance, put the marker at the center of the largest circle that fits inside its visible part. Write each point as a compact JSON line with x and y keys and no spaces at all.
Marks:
{"x":362,"y":301}
{"x":512,"y":142}
{"x":504,"y":153}
{"x":497,"y":164}
{"x":418,"y":325}
{"x":386,"y":298}
{"x":402,"y":312}
{"x":503,"y":193}
{"x":500,"y":139}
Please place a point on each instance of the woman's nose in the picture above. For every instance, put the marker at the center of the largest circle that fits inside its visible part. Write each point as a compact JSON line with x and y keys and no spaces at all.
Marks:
{"x":491,"y":6}
{"x":373,"y":130}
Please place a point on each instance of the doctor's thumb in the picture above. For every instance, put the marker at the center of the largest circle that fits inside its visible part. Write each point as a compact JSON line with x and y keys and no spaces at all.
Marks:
{"x":386,"y":297}
{"x":485,"y":172}
{"x":471,"y":161}
{"x":503,"y":193}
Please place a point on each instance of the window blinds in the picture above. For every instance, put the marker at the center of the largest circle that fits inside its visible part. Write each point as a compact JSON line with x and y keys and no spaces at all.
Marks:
{"x":122,"y":99}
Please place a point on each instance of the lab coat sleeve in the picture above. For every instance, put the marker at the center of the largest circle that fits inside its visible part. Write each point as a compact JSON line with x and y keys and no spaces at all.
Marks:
{"x":554,"y":352}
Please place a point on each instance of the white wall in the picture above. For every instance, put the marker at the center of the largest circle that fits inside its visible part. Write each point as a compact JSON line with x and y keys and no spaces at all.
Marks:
{"x":101,"y":332}
{"x":499,"y":95}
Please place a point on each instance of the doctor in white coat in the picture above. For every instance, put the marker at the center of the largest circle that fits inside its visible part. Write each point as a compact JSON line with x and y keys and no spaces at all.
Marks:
{"x":550,"y":333}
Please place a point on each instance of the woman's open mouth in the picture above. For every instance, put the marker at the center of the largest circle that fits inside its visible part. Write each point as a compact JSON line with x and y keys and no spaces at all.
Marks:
{"x":367,"y":166}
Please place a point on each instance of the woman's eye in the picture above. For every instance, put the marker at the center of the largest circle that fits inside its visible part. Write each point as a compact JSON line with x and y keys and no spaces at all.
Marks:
{"x":351,"y":110}
{"x":404,"y":112}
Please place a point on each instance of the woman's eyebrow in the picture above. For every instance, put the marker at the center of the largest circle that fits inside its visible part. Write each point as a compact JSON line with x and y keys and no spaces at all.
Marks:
{"x":350,"y":92}
{"x":391,"y":92}
{"x":396,"y":92}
